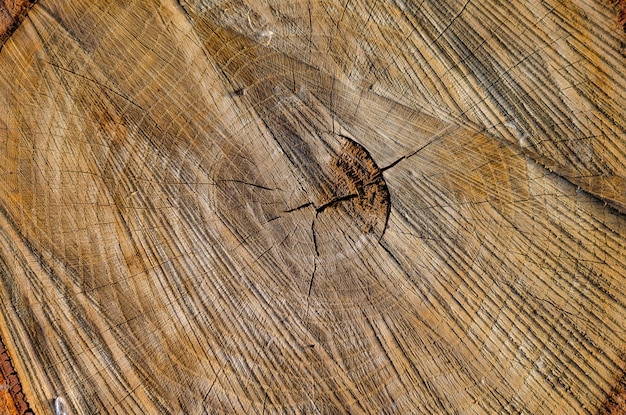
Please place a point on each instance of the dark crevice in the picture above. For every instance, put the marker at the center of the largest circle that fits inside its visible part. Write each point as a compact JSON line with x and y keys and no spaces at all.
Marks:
{"x":391,"y":255}
{"x":308,"y":296}
{"x":317,"y":254}
{"x":185,"y":12}
{"x":306,"y":205}
{"x":323,"y":207}
{"x":393,"y":164}
{"x":335,"y":201}
{"x":438,"y":137}
{"x":258,"y":186}
{"x":386,"y":216}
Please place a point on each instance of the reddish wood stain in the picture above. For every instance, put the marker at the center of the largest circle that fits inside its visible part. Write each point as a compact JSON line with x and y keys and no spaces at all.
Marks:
{"x":622,"y":13}
{"x":12,"y":399}
{"x":12,"y":13}
{"x":616,"y":402}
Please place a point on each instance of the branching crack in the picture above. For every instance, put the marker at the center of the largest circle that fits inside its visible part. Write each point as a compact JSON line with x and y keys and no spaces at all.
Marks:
{"x":318,"y":210}
{"x":323,"y":207}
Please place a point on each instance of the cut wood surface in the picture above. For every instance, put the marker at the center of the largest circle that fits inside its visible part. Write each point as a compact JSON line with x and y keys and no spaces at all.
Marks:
{"x":314,"y":206}
{"x":12,"y":12}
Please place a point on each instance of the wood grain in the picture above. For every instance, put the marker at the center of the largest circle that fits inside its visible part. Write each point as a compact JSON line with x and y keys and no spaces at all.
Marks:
{"x":314,"y":207}
{"x":12,"y":12}
{"x":616,"y":403}
{"x":622,"y":12}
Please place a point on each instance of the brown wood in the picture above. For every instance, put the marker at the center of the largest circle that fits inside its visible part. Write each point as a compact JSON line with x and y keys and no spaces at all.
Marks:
{"x":12,"y":399}
{"x":12,"y":12}
{"x":322,"y":206}
{"x":616,"y":403}
{"x":622,"y":13}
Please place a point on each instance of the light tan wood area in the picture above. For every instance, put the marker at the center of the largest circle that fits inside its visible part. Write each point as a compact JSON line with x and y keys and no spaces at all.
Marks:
{"x":314,"y":206}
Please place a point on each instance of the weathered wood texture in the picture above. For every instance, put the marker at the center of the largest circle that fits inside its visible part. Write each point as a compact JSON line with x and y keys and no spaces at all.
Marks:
{"x":616,"y":403}
{"x":314,"y":206}
{"x":12,"y":399}
{"x":12,"y":13}
{"x":622,"y":13}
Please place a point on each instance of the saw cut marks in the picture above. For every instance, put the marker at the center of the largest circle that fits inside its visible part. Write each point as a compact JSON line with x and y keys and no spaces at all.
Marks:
{"x":226,"y":207}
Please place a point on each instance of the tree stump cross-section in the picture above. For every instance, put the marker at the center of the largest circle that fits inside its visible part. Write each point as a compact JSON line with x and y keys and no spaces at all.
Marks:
{"x":312,"y":206}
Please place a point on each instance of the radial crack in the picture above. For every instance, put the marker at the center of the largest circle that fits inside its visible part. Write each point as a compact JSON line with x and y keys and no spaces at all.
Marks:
{"x":317,"y":254}
{"x":334,"y":201}
{"x":437,"y":137}
{"x":323,"y":207}
{"x":258,"y":186}
{"x":305,"y":205}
